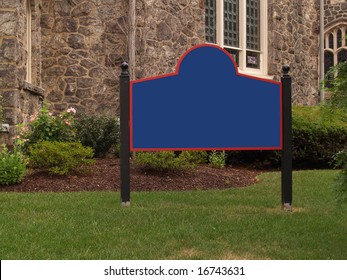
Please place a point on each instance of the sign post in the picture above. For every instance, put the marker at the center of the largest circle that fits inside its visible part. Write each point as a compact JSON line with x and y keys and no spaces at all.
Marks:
{"x":245,"y":112}
{"x":124,"y":80}
{"x":286,"y":168}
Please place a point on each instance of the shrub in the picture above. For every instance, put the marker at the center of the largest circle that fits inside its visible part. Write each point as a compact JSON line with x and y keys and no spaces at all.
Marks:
{"x":217,"y":159}
{"x":337,"y":81}
{"x":194,"y":157}
{"x":47,"y":127}
{"x":340,"y":160}
{"x":61,"y":157}
{"x":315,"y":141}
{"x":99,"y":132}
{"x":162,"y":161}
{"x":12,"y":167}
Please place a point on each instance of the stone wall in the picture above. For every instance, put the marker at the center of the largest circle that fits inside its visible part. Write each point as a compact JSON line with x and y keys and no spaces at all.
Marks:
{"x":83,"y":45}
{"x":165,"y":30}
{"x":293,"y":39}
{"x":335,"y":11}
{"x":20,"y":98}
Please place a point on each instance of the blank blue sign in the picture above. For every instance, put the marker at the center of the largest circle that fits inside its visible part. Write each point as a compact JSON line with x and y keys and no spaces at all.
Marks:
{"x":205,"y":105}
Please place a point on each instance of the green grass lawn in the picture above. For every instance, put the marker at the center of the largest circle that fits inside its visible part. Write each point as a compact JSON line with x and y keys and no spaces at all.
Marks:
{"x":245,"y":223}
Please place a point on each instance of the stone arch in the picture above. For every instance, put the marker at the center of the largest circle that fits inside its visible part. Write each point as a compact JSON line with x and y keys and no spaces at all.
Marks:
{"x":331,"y":25}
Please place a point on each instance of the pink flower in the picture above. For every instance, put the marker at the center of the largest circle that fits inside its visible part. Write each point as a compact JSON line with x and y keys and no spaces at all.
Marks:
{"x":71,"y":110}
{"x":67,"y":123}
{"x":32,"y":118}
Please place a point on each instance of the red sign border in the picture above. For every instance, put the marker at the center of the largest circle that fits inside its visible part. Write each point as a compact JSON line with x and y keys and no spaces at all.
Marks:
{"x":176,"y":73}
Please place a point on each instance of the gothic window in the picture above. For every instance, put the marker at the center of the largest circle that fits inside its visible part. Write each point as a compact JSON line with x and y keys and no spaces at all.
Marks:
{"x":27,"y":40}
{"x":335,"y":46}
{"x":240,"y":27}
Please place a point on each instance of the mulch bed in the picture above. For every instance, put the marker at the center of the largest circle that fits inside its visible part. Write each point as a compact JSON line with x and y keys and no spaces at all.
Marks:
{"x":106,"y":177}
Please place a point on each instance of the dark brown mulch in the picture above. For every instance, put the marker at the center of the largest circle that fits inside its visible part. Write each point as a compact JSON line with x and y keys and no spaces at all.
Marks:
{"x":106,"y":177}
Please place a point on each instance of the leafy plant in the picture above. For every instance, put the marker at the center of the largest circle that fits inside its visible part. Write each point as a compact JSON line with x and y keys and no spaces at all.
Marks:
{"x":162,"y":161}
{"x":316,"y":139}
{"x":12,"y":167}
{"x":195,"y":157}
{"x":99,"y":132}
{"x":340,"y":187}
{"x":61,"y":158}
{"x":47,"y":127}
{"x":336,"y":78}
{"x":336,"y":83}
{"x":217,"y":159}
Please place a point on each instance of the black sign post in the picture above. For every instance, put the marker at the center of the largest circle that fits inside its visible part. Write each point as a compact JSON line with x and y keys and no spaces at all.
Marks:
{"x":124,"y":80}
{"x":286,"y":174}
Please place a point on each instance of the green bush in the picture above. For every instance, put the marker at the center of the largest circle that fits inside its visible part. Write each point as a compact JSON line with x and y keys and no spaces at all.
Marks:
{"x":217,"y":159}
{"x":340,"y":160}
{"x":99,"y":132}
{"x":12,"y":167}
{"x":195,"y":157}
{"x":316,"y":139}
{"x":47,"y":127}
{"x":336,"y":78}
{"x":61,"y":158}
{"x":162,"y":161}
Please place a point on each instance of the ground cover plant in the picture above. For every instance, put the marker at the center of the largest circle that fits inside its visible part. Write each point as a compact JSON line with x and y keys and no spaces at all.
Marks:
{"x":234,"y":223}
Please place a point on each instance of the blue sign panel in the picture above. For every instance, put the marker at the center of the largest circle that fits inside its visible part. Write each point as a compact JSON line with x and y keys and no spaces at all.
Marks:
{"x":205,"y":105}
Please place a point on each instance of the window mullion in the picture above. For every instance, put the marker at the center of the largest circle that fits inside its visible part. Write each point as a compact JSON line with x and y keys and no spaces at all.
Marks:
{"x":220,"y":22}
{"x":242,"y":34}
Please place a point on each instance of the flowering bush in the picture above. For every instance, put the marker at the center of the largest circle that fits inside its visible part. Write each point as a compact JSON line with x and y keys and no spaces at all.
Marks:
{"x":47,"y":127}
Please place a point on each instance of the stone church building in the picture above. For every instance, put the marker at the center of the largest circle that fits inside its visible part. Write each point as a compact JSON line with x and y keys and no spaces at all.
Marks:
{"x":68,"y":52}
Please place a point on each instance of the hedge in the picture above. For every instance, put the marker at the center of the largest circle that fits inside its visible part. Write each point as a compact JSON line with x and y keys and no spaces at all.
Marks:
{"x":316,"y":139}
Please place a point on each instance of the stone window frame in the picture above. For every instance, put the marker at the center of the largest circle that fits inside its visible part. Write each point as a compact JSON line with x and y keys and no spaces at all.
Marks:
{"x":331,"y":44}
{"x":28,"y":40}
{"x":337,"y":1}
{"x":242,"y":49}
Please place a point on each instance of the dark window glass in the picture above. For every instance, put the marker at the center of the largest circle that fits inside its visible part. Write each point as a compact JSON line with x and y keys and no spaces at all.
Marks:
{"x":234,"y":54}
{"x":342,"y":56}
{"x":253,"y":24}
{"x":210,"y":21}
{"x":339,"y":38}
{"x":231,"y":23}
